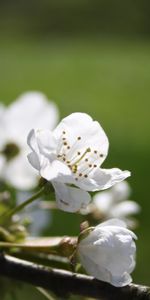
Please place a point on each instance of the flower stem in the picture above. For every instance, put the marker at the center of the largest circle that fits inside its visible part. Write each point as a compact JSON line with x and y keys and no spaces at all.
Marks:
{"x":18,"y":208}
{"x":45,"y":293}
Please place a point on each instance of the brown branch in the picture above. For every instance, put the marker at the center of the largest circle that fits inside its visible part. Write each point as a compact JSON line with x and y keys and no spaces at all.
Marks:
{"x":64,"y":283}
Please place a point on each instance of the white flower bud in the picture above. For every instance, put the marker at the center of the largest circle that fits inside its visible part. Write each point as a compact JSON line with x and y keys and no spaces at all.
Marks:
{"x":108,"y":252}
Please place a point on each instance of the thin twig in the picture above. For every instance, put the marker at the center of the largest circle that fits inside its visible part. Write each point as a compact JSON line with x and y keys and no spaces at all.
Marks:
{"x":45,"y":293}
{"x":7,"y":215}
{"x":64,"y":283}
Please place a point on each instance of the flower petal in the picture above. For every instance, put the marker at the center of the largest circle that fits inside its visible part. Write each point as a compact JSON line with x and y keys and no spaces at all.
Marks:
{"x":113,"y":222}
{"x":46,"y":142}
{"x":121,"y":281}
{"x":87,"y":184}
{"x":31,"y":109}
{"x":56,"y":169}
{"x":125,"y":208}
{"x":19,"y":173}
{"x":2,"y":164}
{"x":105,"y":178}
{"x":34,"y":160}
{"x":3,"y":131}
{"x":32,"y":141}
{"x":121,"y":191}
{"x":90,"y":132}
{"x":103,"y":201}
{"x":70,"y":199}
{"x":42,"y":142}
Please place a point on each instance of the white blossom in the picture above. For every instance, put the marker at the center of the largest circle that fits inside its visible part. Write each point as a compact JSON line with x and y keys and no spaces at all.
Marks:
{"x":70,"y":157}
{"x":115,"y":203}
{"x":31,"y":109}
{"x":108,"y":252}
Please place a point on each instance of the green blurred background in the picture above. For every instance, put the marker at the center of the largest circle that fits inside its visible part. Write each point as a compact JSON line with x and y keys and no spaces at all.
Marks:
{"x":94,"y":57}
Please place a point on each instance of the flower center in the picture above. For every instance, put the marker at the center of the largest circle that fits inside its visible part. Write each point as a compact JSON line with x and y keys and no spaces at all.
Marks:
{"x":10,"y":151}
{"x":81,"y":160}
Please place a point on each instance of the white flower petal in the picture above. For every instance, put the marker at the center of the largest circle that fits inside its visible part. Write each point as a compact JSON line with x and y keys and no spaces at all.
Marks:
{"x":121,"y":281}
{"x":121,"y":191}
{"x":87,"y":184}
{"x":124,"y":209}
{"x":112,"y":222}
{"x":103,"y":201}
{"x":46,"y":142}
{"x":91,"y":133}
{"x":105,"y":178}
{"x":102,"y":179}
{"x":34,"y":160}
{"x":3,"y":131}
{"x":70,"y":199}
{"x":94,"y":269}
{"x":19,"y":173}
{"x":31,"y":109}
{"x":32,"y":141}
{"x":103,"y":274}
{"x":2,"y":164}
{"x":56,"y":169}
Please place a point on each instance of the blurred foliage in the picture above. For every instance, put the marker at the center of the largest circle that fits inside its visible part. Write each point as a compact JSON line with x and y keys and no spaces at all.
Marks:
{"x":67,"y":17}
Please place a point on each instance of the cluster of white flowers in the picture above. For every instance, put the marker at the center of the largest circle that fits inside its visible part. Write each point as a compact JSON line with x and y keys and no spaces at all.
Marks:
{"x":70,"y":157}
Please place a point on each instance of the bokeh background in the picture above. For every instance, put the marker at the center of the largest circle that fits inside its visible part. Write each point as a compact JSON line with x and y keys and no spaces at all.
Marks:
{"x":90,"y":56}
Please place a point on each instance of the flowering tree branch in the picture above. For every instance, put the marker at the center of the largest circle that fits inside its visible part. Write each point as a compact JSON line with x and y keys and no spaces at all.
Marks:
{"x":64,"y":283}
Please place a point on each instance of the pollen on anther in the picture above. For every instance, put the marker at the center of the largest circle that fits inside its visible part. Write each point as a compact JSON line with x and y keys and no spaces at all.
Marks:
{"x":80,"y":174}
{"x":95,"y":151}
{"x":64,"y":132}
{"x":101,"y":155}
{"x":79,"y":153}
{"x":64,"y":159}
{"x":65,"y":143}
{"x":95,"y":166}
{"x":86,"y":159}
{"x":68,"y":147}
{"x":79,"y":137}
{"x":90,"y":165}
{"x":85,"y":175}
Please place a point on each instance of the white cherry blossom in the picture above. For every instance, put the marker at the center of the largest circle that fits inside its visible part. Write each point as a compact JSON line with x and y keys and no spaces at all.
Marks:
{"x":115,"y":203}
{"x":108,"y":252}
{"x":31,"y":109}
{"x":70,"y":157}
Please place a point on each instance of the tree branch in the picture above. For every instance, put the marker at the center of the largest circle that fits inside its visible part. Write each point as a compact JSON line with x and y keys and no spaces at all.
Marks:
{"x":63,"y":282}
